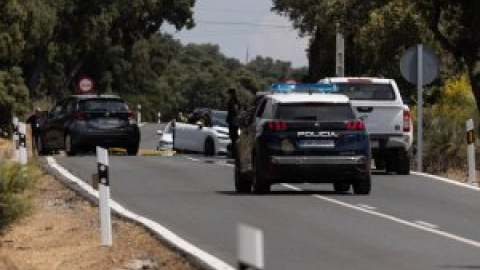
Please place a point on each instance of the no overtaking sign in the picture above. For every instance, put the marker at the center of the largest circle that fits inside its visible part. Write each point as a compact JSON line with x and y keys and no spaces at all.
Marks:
{"x":85,"y":84}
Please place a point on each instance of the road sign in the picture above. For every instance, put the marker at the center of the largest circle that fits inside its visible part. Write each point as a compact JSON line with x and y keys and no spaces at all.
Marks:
{"x":85,"y":84}
{"x":419,"y":66}
{"x":409,"y":65}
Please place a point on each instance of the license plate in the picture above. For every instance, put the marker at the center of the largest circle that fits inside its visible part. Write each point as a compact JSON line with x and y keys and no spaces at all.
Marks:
{"x":317,"y":143}
{"x":108,"y":121}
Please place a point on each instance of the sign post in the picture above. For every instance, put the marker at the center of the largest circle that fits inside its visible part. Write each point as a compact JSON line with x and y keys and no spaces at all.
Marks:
{"x":104,"y":196}
{"x":419,"y":66}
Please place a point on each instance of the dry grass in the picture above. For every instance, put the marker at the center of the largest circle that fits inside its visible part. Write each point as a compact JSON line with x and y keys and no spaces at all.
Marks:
{"x":63,"y":233}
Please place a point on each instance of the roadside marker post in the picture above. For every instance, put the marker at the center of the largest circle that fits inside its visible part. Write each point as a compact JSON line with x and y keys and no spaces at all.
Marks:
{"x":159,"y":115}
{"x":472,"y":173}
{"x":104,"y":196}
{"x":139,"y":114}
{"x":250,"y":248}
{"x":22,"y":142}
{"x":16,"y":150}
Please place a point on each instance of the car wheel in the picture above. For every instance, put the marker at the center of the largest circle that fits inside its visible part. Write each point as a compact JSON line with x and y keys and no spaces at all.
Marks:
{"x":209,"y":148}
{"x":242,"y":183}
{"x":403,"y":163}
{"x":70,"y":149}
{"x":260,"y":183}
{"x":362,"y":185}
{"x":132,"y":150}
{"x":341,"y":187}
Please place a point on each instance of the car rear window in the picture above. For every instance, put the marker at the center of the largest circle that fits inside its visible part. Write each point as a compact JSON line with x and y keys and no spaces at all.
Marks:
{"x":112,"y":105}
{"x":314,"y":112}
{"x":366,"y":91}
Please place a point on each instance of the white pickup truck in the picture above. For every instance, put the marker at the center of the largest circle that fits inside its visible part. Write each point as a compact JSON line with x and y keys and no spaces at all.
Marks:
{"x":379,"y":104}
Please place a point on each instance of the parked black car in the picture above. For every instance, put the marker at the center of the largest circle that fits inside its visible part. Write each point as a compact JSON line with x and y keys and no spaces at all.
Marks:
{"x":82,"y":122}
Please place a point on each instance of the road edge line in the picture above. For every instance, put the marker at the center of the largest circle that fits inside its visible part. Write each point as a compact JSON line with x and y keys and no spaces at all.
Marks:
{"x":197,"y":255}
{"x":446,"y":180}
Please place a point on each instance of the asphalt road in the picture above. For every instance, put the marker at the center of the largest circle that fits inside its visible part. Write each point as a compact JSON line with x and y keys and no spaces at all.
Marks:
{"x":408,"y":222}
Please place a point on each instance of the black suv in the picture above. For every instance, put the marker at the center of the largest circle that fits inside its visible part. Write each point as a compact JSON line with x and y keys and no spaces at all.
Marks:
{"x":302,"y":138}
{"x":82,"y":122}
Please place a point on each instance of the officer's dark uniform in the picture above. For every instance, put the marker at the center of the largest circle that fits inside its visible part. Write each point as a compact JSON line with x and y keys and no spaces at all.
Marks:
{"x":232,"y":113}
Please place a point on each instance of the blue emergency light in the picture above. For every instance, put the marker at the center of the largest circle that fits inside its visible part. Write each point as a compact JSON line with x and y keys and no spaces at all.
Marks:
{"x":303,"y":88}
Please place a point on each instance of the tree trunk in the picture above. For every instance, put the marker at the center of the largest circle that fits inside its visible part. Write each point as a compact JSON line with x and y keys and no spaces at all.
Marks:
{"x":34,"y":76}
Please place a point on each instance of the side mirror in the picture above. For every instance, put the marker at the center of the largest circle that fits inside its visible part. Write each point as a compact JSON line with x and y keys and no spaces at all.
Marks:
{"x":159,"y":132}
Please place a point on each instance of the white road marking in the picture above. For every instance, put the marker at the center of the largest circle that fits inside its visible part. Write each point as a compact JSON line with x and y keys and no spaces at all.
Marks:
{"x":160,"y":230}
{"x":446,"y":180}
{"x":395,"y":219}
{"x":366,"y":206}
{"x":192,"y":159}
{"x":426,"y":224}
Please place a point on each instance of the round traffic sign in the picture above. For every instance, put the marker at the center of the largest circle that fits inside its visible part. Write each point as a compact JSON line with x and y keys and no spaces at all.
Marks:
{"x":409,"y":65}
{"x":85,"y":84}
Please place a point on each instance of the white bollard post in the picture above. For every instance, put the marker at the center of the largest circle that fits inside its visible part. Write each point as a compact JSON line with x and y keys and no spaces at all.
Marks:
{"x":250,"y":247}
{"x":159,"y":115}
{"x":139,"y":114}
{"x":104,"y":196}
{"x":22,"y":142}
{"x":472,"y":173}
{"x":15,"y":142}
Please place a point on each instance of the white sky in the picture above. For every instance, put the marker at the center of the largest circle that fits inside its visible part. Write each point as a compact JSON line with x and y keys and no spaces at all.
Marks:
{"x":238,"y":25}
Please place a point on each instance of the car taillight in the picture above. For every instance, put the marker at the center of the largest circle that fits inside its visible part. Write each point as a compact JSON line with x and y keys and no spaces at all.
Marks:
{"x":277,"y":125}
{"x":79,"y":115}
{"x":406,"y":120}
{"x":131,"y":115}
{"x":355,"y":125}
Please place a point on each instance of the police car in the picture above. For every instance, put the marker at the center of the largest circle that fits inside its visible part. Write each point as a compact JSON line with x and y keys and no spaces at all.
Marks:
{"x":302,"y":133}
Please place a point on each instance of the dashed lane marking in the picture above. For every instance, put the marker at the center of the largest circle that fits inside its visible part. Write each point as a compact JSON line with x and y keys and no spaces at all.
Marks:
{"x":395,"y":219}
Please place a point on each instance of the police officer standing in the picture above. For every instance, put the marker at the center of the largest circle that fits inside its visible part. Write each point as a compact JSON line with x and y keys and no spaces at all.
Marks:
{"x":233,"y":108}
{"x":35,"y":123}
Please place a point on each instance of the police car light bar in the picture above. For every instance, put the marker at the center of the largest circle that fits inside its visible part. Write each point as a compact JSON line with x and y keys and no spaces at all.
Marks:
{"x":303,"y":88}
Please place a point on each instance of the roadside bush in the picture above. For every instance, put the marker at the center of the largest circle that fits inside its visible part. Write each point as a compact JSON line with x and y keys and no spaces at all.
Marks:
{"x":14,"y":181}
{"x":444,"y":127}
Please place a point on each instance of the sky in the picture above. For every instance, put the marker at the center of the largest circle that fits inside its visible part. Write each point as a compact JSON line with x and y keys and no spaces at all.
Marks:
{"x":244,"y":29}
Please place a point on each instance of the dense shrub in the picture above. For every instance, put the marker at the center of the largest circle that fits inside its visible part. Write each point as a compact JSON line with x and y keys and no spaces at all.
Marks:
{"x":14,"y":181}
{"x":444,"y":126}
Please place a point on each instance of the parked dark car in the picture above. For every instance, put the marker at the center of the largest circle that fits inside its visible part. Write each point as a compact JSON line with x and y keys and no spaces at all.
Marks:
{"x":82,"y":122}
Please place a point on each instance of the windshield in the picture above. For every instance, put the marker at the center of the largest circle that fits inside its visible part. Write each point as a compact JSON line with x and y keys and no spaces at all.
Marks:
{"x":366,"y":91}
{"x":314,"y":112}
{"x":111,"y":105}
{"x":219,"y":118}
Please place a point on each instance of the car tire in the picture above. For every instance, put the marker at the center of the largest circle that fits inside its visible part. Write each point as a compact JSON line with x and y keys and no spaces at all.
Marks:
{"x":132,"y":150}
{"x":260,"y":183}
{"x":362,"y":185}
{"x":403,"y":163}
{"x":341,"y":187}
{"x":70,"y":149}
{"x":242,"y":183}
{"x":209,"y":147}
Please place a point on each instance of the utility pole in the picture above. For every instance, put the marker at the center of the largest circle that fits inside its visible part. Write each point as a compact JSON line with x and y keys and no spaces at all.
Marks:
{"x":340,"y":53}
